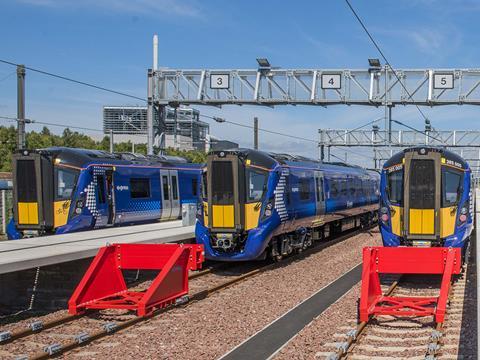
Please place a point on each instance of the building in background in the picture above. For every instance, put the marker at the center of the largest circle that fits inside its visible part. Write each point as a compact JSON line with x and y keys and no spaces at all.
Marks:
{"x":182,"y":129}
{"x":215,"y":143}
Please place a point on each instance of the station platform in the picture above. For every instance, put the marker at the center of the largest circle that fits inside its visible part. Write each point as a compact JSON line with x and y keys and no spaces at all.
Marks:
{"x":17,"y":255}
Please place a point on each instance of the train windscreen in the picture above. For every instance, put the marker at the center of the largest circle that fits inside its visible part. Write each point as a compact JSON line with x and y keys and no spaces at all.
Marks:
{"x":422,"y":184}
{"x":222,"y":183}
{"x":451,"y":181}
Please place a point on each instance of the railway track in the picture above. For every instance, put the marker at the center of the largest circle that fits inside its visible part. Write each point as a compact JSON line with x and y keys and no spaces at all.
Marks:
{"x":75,"y":331}
{"x":399,"y":338}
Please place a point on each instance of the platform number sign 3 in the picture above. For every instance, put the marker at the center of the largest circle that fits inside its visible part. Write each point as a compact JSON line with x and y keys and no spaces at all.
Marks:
{"x":331,"y":81}
{"x":219,"y":81}
{"x":443,"y":81}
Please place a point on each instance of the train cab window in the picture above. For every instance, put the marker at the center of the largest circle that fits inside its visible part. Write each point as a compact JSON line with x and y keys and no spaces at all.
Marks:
{"x":395,"y":187}
{"x":256,"y":184}
{"x":451,"y":181}
{"x":26,"y":181}
{"x":66,"y":179}
{"x":139,"y":188}
{"x":304,"y":188}
{"x":222,"y":183}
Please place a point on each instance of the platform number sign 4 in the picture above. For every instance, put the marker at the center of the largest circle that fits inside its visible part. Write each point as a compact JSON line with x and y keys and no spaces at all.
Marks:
{"x":331,"y":81}
{"x":443,"y":81}
{"x":219,"y":81}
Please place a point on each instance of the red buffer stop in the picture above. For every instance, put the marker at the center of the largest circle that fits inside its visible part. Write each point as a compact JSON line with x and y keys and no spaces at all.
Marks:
{"x":406,"y":260}
{"x":103,"y":285}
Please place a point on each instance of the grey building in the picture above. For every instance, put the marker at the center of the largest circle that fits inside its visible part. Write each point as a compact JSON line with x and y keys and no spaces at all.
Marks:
{"x":181,"y":129}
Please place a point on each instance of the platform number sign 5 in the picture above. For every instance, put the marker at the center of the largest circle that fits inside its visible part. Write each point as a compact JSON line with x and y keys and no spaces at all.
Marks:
{"x":219,"y":81}
{"x":331,"y":81}
{"x":443,"y":81}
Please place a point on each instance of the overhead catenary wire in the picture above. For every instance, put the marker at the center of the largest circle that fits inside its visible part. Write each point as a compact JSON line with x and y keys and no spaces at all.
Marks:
{"x":94,"y":86}
{"x":386,"y":62}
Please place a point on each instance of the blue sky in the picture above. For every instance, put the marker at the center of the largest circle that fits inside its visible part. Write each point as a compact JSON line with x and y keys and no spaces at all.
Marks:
{"x":108,"y":42}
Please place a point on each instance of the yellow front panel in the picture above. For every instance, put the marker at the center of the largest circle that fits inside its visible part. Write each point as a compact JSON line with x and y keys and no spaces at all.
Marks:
{"x":447,"y":221}
{"x":396,"y":219}
{"x":223,"y":216}
{"x":217,"y":216}
{"x":428,"y":221}
{"x":422,"y":221}
{"x":415,"y":221}
{"x":60,"y":212}
{"x":252,"y":213}
{"x":27,"y":213}
{"x":205,"y":213}
{"x":228,"y":216}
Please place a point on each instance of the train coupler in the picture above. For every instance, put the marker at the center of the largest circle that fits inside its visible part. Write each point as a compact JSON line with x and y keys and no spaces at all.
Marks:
{"x":406,"y":260}
{"x":103,"y":285}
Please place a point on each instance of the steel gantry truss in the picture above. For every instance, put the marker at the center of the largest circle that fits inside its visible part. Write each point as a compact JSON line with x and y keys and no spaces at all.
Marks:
{"x":372,"y":138}
{"x":267,"y":86}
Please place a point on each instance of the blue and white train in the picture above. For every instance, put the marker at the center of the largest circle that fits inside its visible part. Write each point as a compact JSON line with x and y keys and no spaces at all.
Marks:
{"x":257,"y":204}
{"x":426,"y":199}
{"x":60,"y":190}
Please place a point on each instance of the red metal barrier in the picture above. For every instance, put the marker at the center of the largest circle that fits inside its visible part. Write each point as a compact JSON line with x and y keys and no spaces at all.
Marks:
{"x":406,"y":260}
{"x":103,"y":285}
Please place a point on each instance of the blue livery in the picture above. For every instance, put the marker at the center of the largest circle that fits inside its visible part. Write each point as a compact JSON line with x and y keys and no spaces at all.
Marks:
{"x":260,"y":204}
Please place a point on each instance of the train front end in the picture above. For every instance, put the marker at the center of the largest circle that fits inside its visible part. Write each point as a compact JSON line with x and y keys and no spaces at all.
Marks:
{"x":42,"y":194}
{"x":426,"y":199}
{"x":237,"y":217}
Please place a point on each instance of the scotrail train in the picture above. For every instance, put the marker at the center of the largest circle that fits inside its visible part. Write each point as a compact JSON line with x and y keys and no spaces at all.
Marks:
{"x":426,"y":199}
{"x":259,"y":204}
{"x":61,"y":190}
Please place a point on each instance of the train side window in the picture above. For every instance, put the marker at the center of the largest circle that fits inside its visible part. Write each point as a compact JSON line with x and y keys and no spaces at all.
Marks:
{"x":304,"y":185}
{"x":101,"y":189}
{"x":395,"y":187}
{"x":194,"y":187}
{"x":139,"y":188}
{"x":174,"y":187}
{"x":204,"y":185}
{"x":333,"y":189}
{"x":451,"y":181}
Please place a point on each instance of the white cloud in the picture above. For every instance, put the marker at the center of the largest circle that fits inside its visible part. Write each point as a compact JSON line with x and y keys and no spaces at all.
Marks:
{"x":153,"y":7}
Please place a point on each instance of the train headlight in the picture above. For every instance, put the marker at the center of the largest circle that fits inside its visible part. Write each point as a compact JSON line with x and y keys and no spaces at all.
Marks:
{"x":268,"y":209}
{"x":462,"y":218}
{"x":384,"y":214}
{"x":463,"y":211}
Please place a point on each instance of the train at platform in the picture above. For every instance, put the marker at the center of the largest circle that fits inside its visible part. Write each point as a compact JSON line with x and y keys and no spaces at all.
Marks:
{"x":426,"y":199}
{"x":60,"y":190}
{"x":258,"y":205}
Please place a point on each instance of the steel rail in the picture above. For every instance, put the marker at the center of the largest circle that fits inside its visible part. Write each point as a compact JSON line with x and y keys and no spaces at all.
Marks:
{"x":57,"y":349}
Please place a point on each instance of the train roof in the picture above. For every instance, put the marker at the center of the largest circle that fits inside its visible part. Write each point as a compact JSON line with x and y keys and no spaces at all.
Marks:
{"x":82,"y":157}
{"x":269,"y":159}
{"x":397,"y":158}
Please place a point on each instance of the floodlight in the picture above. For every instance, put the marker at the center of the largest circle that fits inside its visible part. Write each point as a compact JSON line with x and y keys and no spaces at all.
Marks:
{"x":263,"y":63}
{"x":374,"y":63}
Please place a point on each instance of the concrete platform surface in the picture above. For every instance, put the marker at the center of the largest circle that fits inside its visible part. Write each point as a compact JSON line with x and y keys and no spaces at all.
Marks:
{"x":24,"y":254}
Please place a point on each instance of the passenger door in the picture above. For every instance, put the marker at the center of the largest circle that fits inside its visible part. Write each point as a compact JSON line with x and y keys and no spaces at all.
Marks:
{"x":319,"y":193}
{"x":170,"y":194}
{"x":105,"y":201}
